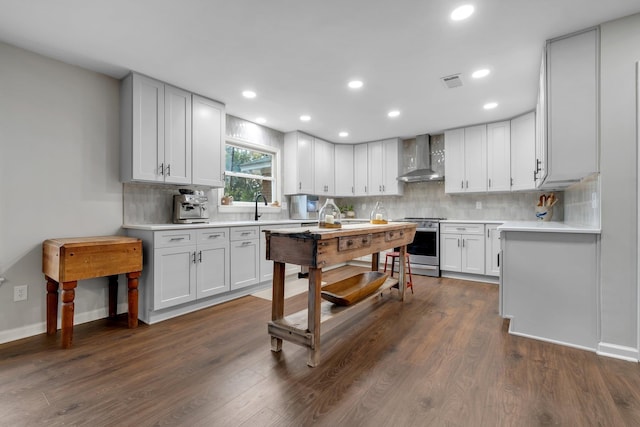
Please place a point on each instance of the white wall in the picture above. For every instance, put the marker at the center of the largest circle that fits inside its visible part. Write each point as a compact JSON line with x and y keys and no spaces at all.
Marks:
{"x":59,"y":164}
{"x":620,"y":49}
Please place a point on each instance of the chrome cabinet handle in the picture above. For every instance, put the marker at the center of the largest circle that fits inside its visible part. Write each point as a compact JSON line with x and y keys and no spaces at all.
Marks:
{"x":194,"y":257}
{"x":162,"y":169}
{"x":214,"y":236}
{"x":462,"y":184}
{"x":200,"y":256}
{"x":300,"y":185}
{"x":458,"y":242}
{"x":173,"y":239}
{"x":463,"y":243}
{"x":489,"y":182}
{"x":168,"y":170}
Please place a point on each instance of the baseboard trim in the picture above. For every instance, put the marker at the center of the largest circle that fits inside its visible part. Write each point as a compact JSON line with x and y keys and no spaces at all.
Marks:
{"x":41,"y":327}
{"x":472,"y":277}
{"x":629,"y":354}
{"x":512,"y":322}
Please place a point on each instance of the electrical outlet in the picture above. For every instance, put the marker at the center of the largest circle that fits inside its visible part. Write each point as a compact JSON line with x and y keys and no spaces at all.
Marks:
{"x":20,"y":293}
{"x":478,"y":205}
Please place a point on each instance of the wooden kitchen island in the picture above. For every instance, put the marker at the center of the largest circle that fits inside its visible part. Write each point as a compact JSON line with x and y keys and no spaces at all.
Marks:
{"x":316,"y":248}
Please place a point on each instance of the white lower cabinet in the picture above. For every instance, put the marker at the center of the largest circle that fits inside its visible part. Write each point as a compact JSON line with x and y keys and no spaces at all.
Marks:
{"x":492,"y":250}
{"x":212,"y":276}
{"x":175,"y":274}
{"x":462,"y":248}
{"x":245,"y":253}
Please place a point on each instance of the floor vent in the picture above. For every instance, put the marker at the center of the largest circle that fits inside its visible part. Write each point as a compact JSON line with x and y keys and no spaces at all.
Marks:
{"x":452,"y":81}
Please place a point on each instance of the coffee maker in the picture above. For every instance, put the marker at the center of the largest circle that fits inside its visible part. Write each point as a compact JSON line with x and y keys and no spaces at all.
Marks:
{"x":190,"y":206}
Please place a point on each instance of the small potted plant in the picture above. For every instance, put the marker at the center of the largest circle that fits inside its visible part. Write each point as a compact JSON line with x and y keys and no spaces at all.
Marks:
{"x":348,"y":211}
{"x":226,"y":199}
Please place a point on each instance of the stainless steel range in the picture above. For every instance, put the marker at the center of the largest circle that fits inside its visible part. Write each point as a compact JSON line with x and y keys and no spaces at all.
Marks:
{"x":424,"y":251}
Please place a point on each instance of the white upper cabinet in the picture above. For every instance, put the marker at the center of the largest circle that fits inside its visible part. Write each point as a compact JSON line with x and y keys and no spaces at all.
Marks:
{"x":466,"y":160}
{"x":324,"y":164}
{"x":540,"y":166}
{"x":344,"y":170}
{"x":571,"y":108}
{"x":523,"y":152}
{"x":208,"y":142}
{"x":157,"y":135}
{"x":298,"y":164}
{"x":499,"y":156}
{"x":383,"y":167}
{"x":361,"y":170}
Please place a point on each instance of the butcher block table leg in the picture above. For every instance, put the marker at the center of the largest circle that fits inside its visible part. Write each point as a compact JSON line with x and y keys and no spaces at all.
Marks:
{"x":313,"y":322}
{"x":68,"y":295}
{"x":132,"y":298}
{"x":52,"y":306}
{"x":277,"y":301}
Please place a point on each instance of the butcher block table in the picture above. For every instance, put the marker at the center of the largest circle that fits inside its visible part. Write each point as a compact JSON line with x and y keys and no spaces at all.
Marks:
{"x":65,"y":261}
{"x":316,"y":248}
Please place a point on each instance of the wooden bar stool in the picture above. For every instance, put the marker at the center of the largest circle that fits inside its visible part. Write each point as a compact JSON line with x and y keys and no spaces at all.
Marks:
{"x":394,"y":256}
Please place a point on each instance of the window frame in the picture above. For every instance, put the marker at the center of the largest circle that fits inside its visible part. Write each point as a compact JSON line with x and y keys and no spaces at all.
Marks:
{"x":276,"y":178}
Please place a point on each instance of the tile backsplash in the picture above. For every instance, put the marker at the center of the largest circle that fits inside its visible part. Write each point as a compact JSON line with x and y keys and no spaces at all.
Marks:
{"x":582,"y":202}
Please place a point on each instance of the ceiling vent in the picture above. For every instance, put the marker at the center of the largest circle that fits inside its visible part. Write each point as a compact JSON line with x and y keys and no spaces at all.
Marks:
{"x":452,"y":81}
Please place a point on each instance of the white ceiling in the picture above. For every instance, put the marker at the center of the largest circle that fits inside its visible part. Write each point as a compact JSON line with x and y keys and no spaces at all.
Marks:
{"x":298,"y":55}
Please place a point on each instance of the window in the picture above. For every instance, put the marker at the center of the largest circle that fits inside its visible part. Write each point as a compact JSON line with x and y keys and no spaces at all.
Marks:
{"x":250,"y":170}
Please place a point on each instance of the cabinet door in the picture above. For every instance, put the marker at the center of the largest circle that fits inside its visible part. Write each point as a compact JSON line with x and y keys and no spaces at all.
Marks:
{"x":361,"y":170}
{"x":450,"y":252}
{"x":572,"y":79}
{"x":475,"y":158}
{"x":245,"y":266}
{"x":523,"y":152}
{"x":391,"y":166}
{"x":540,"y":165}
{"x":492,"y":249}
{"x":375,"y":165}
{"x":454,"y":161}
{"x":344,"y":170}
{"x":208,"y":143}
{"x":148,"y":129}
{"x":174,"y":270}
{"x":324,"y":167}
{"x":177,"y":136}
{"x":213,"y":270}
{"x":499,"y":156}
{"x":473,"y":254}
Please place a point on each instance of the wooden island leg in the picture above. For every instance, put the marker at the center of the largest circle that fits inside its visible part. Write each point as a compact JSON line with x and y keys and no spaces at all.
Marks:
{"x":113,"y":296}
{"x":313,"y":320}
{"x":402,"y":284}
{"x":52,"y":306}
{"x":132,"y":298}
{"x":277,"y":301}
{"x":68,"y":295}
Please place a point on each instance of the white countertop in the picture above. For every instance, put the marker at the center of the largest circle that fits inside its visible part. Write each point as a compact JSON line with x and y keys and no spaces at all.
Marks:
{"x":160,"y":227}
{"x":548,"y":227}
{"x":472,"y":221}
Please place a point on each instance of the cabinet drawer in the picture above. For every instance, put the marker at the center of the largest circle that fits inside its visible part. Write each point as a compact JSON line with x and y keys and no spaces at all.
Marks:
{"x":462,"y":228}
{"x":244,"y":233}
{"x":165,"y":239}
{"x":213,"y":236}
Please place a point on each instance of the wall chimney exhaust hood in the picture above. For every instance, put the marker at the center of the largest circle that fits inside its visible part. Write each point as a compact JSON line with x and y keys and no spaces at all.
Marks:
{"x":421,"y":170}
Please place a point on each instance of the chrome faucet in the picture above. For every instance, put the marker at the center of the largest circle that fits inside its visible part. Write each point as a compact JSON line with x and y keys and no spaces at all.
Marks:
{"x":256,"y":216}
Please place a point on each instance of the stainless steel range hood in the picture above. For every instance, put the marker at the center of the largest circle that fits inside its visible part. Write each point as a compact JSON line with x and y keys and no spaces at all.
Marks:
{"x":421,"y":169}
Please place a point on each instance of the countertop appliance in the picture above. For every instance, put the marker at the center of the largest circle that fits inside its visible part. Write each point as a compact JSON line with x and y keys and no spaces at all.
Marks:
{"x":190,"y":208}
{"x":424,"y":251}
{"x":304,"y":207}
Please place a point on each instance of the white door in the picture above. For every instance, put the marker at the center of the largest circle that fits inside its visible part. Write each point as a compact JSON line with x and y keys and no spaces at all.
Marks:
{"x":391,"y":165}
{"x":148,"y":129}
{"x":492,"y":249}
{"x":523,"y":152}
{"x":245,"y":266}
{"x":450,"y":252}
{"x":344,"y":170}
{"x":361,"y":170}
{"x":213,"y":270}
{"x":473,"y":253}
{"x":375,"y":166}
{"x":324,"y":167}
{"x":175,"y":276}
{"x":454,"y":161}
{"x":305,"y":164}
{"x":499,"y":156}
{"x":208,"y":142}
{"x":475,"y":158}
{"x":177,"y":136}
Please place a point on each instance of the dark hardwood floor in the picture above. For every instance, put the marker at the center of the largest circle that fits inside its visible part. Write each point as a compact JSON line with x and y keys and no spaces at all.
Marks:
{"x":441,"y":358}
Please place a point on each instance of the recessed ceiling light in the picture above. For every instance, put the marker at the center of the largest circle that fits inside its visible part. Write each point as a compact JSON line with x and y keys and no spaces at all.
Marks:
{"x":355,"y":84}
{"x":305,"y":118}
{"x":490,"y":105}
{"x":343,"y":134}
{"x":478,"y":74}
{"x":462,"y":12}
{"x":261,"y":120}
{"x":249,"y":94}
{"x":394,"y":113}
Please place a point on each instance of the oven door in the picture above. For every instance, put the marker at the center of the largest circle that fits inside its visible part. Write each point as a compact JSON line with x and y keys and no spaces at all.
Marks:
{"x":425,"y":248}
